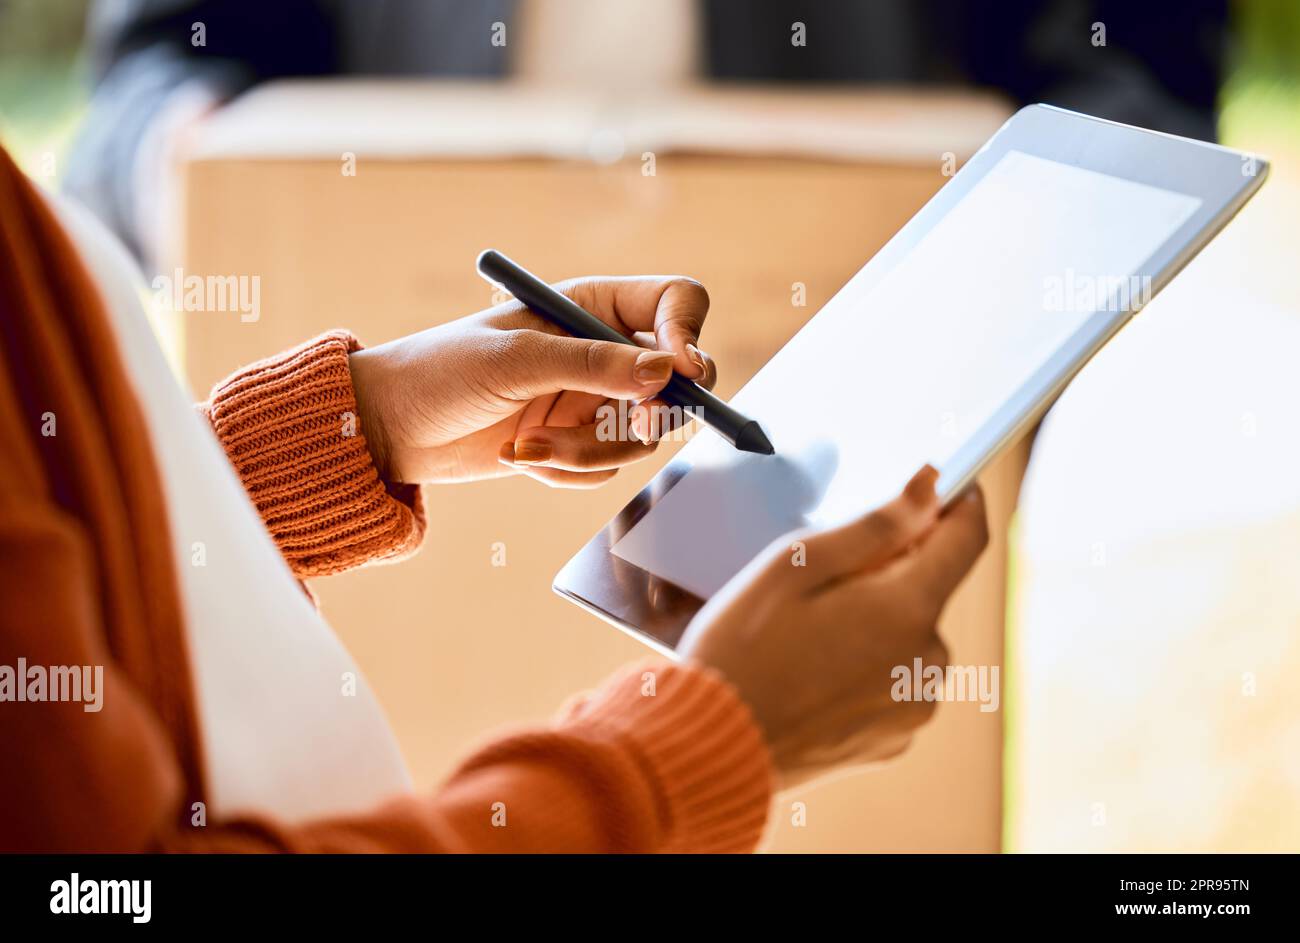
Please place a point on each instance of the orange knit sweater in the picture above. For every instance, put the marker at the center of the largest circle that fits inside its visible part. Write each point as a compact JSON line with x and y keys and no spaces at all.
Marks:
{"x":86,"y":575}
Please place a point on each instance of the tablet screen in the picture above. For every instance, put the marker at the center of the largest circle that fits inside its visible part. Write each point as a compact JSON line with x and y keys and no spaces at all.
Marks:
{"x":903,"y":366}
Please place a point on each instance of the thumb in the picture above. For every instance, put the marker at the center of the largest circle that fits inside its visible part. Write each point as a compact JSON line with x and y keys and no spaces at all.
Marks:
{"x":538,"y":363}
{"x":877,"y":537}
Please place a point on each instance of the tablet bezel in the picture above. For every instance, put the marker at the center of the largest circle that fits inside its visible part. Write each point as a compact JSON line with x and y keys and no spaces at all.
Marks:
{"x":657,"y":612}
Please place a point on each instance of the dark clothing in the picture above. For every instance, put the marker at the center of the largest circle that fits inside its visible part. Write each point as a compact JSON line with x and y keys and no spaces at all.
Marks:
{"x":1160,"y":67}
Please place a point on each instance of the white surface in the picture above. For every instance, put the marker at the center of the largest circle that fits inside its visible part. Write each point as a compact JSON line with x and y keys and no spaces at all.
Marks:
{"x":1159,"y":595}
{"x":891,"y":375}
{"x":279,"y":736}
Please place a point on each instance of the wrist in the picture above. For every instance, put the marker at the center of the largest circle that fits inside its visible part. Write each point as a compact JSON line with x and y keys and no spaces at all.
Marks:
{"x":716,"y":652}
{"x":368,"y":387}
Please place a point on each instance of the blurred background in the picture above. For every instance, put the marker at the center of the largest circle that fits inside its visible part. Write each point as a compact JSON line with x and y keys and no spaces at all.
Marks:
{"x":1141,"y":590}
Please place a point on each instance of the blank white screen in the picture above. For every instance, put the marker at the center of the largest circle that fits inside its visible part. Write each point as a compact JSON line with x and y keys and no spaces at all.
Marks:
{"x":901,"y":370}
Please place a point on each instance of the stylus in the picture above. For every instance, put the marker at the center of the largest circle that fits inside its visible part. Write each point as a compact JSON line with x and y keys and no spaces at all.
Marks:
{"x":694,"y":400}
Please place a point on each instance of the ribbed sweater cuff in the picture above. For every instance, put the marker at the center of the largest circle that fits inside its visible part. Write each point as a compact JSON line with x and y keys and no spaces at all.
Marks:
{"x":697,"y":743}
{"x":291,"y":427}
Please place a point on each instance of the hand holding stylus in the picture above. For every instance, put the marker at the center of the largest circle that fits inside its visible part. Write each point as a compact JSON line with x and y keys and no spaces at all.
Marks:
{"x":693,"y":400}
{"x":506,"y":392}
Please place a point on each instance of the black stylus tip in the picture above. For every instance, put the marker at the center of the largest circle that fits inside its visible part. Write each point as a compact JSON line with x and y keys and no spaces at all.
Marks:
{"x":753,"y":439}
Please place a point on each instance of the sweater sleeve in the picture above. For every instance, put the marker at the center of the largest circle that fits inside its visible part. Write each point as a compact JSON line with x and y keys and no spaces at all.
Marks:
{"x":682,"y":770}
{"x":661,"y":758}
{"x":291,"y":427}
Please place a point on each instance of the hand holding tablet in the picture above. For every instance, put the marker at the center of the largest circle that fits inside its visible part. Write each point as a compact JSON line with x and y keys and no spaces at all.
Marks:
{"x":808,"y":647}
{"x":944,"y":349}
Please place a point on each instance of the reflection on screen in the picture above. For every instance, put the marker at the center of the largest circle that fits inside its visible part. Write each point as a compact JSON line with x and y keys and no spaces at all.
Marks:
{"x":901,"y":368}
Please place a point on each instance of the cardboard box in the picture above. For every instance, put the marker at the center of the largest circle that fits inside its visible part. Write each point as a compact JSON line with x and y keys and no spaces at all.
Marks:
{"x":756,"y":193}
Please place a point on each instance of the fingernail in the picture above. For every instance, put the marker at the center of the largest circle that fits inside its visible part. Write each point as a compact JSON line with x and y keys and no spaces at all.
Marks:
{"x":507,"y":453}
{"x":636,"y":423}
{"x":694,"y":356}
{"x":653,"y":366}
{"x":532,"y":452}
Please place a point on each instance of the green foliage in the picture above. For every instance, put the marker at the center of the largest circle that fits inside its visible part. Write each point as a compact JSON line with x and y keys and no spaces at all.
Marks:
{"x":1260,"y":103}
{"x":42,"y":95}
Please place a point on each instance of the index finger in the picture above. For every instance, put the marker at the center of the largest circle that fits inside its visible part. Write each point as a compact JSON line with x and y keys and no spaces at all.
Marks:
{"x":673,"y":307}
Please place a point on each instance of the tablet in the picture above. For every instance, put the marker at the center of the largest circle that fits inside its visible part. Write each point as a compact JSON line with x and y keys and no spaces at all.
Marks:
{"x":945,"y":348}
